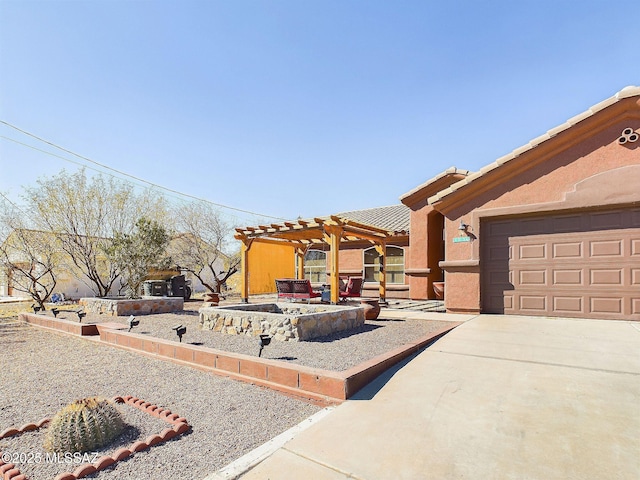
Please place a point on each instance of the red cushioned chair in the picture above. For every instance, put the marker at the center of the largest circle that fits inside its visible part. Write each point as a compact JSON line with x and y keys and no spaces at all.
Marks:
{"x":353,"y":288}
{"x":302,"y":290}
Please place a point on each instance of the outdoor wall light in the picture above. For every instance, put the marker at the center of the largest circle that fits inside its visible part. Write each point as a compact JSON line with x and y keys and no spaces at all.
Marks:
{"x":463,"y":226}
{"x":180,"y":331}
{"x":132,"y":322}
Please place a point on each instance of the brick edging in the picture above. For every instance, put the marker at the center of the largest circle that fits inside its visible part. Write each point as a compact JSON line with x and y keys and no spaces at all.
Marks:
{"x":179,"y":425}
{"x":319,"y":386}
{"x":60,"y":324}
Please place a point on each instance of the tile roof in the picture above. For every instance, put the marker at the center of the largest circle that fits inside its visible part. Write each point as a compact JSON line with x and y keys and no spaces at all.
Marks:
{"x":449,"y":171}
{"x":393,"y":217}
{"x":630,"y":91}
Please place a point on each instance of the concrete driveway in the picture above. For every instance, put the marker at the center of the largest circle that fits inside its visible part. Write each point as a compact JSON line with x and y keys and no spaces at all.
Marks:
{"x":500,"y":397}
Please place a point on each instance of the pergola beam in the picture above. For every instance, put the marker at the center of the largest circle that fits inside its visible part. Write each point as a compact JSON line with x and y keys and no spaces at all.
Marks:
{"x":304,"y":233}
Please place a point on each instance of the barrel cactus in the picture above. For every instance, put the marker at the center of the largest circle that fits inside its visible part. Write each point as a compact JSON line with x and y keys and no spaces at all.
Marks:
{"x":84,"y":425}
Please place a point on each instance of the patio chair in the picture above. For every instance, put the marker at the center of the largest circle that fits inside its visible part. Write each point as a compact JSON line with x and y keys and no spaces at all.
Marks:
{"x":302,"y":290}
{"x":284,"y":288}
{"x":353,"y":288}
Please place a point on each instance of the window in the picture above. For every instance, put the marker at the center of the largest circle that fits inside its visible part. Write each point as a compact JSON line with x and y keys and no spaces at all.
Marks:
{"x":395,"y":265}
{"x":315,"y":266}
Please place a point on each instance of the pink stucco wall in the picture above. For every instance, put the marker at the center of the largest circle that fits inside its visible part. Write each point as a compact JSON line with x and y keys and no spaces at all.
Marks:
{"x":583,"y":167}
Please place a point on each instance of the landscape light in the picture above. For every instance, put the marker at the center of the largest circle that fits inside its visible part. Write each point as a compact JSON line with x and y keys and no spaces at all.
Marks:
{"x":264,"y":340}
{"x":132,"y":322}
{"x":180,"y":331}
{"x":55,"y":312}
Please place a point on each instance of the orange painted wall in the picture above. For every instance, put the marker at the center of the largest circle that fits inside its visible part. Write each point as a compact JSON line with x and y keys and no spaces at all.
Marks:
{"x":268,"y":262}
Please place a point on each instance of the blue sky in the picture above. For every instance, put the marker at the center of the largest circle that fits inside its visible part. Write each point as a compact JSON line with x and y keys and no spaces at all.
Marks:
{"x":298,"y":108}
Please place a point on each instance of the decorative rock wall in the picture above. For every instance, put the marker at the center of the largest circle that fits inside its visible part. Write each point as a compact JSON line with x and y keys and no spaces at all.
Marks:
{"x":283,"y":322}
{"x":124,"y":306}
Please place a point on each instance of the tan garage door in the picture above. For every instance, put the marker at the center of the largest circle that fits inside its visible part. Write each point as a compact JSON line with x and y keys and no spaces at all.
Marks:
{"x":572,"y":265}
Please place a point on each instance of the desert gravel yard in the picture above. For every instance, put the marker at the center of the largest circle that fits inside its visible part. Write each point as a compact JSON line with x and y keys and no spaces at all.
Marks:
{"x":336,"y":352}
{"x":43,"y":371}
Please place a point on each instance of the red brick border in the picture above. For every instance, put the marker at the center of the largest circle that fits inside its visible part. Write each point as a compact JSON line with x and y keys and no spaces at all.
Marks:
{"x":322,"y":387}
{"x":60,"y":324}
{"x":179,"y":425}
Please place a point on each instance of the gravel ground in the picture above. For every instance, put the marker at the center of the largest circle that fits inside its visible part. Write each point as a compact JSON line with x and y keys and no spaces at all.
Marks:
{"x":43,"y":371}
{"x":336,"y":352}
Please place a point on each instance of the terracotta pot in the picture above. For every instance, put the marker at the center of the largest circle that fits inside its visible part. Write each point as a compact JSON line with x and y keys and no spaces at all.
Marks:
{"x":212,"y":298}
{"x":371,"y":308}
{"x":438,"y":288}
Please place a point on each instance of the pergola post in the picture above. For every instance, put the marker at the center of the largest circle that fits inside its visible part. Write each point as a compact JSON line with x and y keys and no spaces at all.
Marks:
{"x":244,"y":267}
{"x":334,"y":247}
{"x":300,"y":251}
{"x":381,"y":248}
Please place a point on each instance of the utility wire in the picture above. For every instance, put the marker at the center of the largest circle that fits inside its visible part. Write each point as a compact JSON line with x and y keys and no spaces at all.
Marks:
{"x":130,"y":176}
{"x":72,"y":161}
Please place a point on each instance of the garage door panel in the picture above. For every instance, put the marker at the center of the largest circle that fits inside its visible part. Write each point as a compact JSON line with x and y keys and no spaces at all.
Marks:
{"x":499,"y":303}
{"x":606,"y":248}
{"x":565,"y":305}
{"x":581,"y":264}
{"x":570,"y":250}
{"x":531,"y":227}
{"x":607,"y":220}
{"x":533,"y":277}
{"x":566,"y":223}
{"x":606,"y":305}
{"x":568,"y":277}
{"x":533,"y":303}
{"x":605,"y":277}
{"x":532,"y":252}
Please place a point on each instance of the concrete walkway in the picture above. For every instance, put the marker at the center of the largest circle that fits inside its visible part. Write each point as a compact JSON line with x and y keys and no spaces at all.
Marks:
{"x":500,"y":397}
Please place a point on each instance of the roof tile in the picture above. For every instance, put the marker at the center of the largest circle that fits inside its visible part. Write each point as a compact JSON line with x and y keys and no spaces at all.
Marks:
{"x":395,"y":217}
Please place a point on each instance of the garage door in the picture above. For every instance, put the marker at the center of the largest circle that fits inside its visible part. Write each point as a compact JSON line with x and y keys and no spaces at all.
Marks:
{"x":572,"y":265}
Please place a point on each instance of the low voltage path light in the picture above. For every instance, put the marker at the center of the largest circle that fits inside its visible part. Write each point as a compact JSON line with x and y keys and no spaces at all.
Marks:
{"x":55,"y":312}
{"x":36,"y":308}
{"x":264,"y":340}
{"x":132,"y":322}
{"x":180,"y":331}
{"x":81,"y":314}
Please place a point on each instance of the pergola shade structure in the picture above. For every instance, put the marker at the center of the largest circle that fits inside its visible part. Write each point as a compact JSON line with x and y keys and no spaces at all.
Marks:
{"x":303,"y":234}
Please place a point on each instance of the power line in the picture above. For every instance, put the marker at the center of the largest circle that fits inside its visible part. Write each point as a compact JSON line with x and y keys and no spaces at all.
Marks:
{"x":123,"y":173}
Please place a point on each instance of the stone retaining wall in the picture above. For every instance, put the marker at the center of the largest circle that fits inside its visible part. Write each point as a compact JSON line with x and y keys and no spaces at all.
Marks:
{"x":123,"y":306}
{"x":282,"y":321}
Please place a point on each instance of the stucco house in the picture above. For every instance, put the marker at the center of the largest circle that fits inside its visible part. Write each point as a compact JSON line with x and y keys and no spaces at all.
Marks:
{"x":552,"y":228}
{"x":555,"y":224}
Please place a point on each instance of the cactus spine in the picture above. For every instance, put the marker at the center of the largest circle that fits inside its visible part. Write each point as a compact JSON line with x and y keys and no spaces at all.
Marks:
{"x":83,"y":426}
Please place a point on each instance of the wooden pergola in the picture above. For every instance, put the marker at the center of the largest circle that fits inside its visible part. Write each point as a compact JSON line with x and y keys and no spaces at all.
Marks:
{"x":304,"y":234}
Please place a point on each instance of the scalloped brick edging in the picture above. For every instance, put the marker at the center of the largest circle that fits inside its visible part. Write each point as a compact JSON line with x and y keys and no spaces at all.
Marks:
{"x":9,"y":471}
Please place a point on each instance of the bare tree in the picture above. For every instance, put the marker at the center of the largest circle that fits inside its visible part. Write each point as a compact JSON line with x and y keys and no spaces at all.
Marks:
{"x":198,"y":245}
{"x":85,"y":215}
{"x":28,"y":257}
